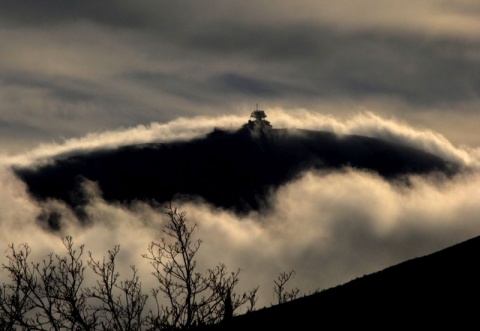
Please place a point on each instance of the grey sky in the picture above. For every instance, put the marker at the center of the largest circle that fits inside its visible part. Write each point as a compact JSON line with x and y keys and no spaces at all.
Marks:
{"x":99,"y":74}
{"x":70,"y":69}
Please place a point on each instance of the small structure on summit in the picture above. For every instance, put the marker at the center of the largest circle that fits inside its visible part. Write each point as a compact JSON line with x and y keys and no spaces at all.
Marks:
{"x":257,"y":120}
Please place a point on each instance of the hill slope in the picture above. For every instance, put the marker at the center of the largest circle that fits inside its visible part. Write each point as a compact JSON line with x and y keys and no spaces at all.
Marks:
{"x":437,"y":290}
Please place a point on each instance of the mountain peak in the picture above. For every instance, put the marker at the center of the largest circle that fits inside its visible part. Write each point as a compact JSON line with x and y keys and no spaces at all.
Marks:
{"x":232,"y":170}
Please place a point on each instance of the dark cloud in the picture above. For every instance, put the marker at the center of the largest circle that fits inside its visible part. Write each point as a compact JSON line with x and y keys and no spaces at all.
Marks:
{"x":148,"y":61}
{"x":262,"y":42}
{"x":65,"y":89}
{"x":418,"y":69}
{"x":16,"y":135}
{"x":193,"y":89}
{"x":57,"y":12}
{"x":235,"y":83}
{"x":316,"y":61}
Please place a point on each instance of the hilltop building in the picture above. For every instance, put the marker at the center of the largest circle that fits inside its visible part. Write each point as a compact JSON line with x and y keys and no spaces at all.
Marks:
{"x":257,"y":121}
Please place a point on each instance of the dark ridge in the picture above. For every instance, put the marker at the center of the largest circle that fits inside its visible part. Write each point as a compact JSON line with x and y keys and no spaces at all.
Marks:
{"x":233,"y":170}
{"x":436,"y":291}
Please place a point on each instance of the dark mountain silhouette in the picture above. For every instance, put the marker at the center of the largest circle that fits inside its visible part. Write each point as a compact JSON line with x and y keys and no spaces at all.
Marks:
{"x":234,"y":170}
{"x":436,"y":291}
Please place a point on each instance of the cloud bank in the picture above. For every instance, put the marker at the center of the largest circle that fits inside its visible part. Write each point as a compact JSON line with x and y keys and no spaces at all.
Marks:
{"x":365,"y":123}
{"x":328,"y":227}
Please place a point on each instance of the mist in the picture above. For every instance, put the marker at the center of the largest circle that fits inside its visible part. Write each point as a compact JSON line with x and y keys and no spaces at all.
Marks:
{"x":182,"y":129}
{"x":330,"y":227}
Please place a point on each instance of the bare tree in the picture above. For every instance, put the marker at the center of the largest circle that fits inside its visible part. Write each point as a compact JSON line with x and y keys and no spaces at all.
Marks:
{"x":46,"y":295}
{"x":52,"y":295}
{"x":121,"y":302}
{"x":193,"y":297}
{"x":280,"y":292}
{"x":15,"y":302}
{"x":67,"y":277}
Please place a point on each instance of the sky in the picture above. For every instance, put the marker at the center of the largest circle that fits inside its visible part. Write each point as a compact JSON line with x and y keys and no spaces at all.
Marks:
{"x":69,"y":70}
{"x":100,"y":74}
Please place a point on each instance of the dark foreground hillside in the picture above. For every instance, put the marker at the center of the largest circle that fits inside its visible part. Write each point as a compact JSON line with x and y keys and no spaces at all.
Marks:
{"x":441,"y":290}
{"x":233,"y":170}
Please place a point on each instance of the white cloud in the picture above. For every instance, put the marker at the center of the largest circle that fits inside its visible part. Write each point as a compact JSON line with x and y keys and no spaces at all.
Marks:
{"x":334,"y":227}
{"x":329,"y":227}
{"x":177,"y":130}
{"x":364,"y":123}
{"x":371,"y":125}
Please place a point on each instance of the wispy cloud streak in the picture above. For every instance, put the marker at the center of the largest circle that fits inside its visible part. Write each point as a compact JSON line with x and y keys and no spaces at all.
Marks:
{"x":365,"y":123}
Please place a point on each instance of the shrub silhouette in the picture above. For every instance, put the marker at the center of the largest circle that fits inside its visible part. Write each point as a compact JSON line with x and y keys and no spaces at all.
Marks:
{"x":281,"y":294}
